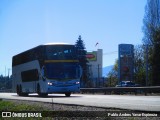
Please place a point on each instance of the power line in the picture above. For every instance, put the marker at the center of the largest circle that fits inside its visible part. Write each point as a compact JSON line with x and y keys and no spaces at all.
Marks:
{"x":109,"y":53}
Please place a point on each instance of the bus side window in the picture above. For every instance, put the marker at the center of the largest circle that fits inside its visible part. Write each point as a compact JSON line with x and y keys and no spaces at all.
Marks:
{"x":30,"y":75}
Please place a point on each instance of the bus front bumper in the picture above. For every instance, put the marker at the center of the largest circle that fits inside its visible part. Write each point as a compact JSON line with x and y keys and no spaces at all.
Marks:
{"x":63,"y":89}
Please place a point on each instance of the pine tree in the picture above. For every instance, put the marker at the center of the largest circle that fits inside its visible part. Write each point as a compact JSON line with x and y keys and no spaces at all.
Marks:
{"x":82,"y":60}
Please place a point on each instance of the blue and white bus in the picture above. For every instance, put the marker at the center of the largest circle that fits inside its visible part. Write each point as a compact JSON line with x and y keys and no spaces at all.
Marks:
{"x":46,"y":69}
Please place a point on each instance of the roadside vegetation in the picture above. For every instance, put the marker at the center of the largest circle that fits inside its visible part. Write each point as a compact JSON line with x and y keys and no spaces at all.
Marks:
{"x":146,"y":55}
{"x":59,"y":111}
{"x":11,"y":106}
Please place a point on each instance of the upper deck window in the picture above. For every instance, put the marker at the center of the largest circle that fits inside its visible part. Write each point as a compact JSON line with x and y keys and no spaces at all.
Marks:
{"x":59,"y":52}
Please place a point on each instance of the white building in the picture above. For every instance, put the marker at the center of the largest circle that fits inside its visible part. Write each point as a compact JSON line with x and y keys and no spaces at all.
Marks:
{"x":95,"y":65}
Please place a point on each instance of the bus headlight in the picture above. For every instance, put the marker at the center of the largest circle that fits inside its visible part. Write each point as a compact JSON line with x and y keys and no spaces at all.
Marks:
{"x":77,"y":82}
{"x":49,"y":83}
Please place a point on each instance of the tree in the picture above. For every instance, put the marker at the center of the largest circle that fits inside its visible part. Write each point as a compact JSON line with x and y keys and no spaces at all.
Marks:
{"x":139,"y":65}
{"x":151,"y":31}
{"x":5,"y":82}
{"x":113,"y":75}
{"x":82,"y":59}
{"x":151,"y":21}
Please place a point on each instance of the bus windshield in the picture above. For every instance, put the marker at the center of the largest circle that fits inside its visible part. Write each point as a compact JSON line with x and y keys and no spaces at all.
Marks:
{"x":60,"y":52}
{"x":62,"y":71}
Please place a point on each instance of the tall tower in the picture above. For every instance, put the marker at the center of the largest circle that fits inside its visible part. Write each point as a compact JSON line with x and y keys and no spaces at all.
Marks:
{"x":125,"y":62}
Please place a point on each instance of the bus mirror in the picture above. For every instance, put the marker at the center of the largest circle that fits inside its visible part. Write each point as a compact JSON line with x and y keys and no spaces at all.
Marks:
{"x":43,"y":73}
{"x":44,"y":78}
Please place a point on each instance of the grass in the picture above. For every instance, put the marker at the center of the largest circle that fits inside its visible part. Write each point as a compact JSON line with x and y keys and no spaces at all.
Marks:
{"x":17,"y":106}
{"x":10,"y":106}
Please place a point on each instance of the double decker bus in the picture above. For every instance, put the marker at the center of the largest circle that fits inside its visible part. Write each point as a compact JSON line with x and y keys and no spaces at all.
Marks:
{"x":47,"y":69}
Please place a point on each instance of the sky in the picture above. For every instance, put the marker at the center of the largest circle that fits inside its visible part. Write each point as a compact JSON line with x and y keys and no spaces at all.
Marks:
{"x":25,"y":24}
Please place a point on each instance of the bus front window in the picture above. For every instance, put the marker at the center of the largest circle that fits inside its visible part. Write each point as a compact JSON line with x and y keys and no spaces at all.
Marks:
{"x":62,"y":71}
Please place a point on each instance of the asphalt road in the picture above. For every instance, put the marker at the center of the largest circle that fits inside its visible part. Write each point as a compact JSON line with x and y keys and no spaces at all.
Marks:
{"x":131,"y":102}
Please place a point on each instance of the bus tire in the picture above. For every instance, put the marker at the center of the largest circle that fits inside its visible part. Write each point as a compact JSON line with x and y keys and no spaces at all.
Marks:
{"x":68,"y":94}
{"x":22,"y":93}
{"x":39,"y":92}
{"x":38,"y":89}
{"x":17,"y":89}
{"x":44,"y":94}
{"x":20,"y":90}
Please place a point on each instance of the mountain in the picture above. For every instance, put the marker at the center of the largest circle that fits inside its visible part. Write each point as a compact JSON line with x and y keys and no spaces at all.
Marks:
{"x":106,"y":70}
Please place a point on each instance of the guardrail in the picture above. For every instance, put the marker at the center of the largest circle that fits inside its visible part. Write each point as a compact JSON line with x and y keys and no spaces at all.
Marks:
{"x":115,"y":90}
{"x":6,"y":90}
{"x":120,"y":90}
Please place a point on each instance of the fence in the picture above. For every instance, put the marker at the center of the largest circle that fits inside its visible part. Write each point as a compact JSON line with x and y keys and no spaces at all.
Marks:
{"x":6,"y":90}
{"x":120,"y":90}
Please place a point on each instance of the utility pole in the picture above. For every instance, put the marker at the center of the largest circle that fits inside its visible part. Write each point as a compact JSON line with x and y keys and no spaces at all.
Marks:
{"x":8,"y":71}
{"x":5,"y":70}
{"x":5,"y":78}
{"x":98,"y":75}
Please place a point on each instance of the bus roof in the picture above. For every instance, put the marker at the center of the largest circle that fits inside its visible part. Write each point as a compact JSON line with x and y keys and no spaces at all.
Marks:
{"x":43,"y":45}
{"x":57,"y":44}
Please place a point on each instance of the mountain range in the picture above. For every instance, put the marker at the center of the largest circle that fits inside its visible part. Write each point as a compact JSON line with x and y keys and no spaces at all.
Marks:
{"x":106,"y":70}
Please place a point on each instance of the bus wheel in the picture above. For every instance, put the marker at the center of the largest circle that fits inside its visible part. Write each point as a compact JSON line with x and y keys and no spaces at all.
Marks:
{"x":39,"y":92}
{"x":44,"y":94}
{"x":17,"y":89}
{"x":22,"y":93}
{"x":68,"y":94}
{"x":38,"y":89}
{"x":20,"y":90}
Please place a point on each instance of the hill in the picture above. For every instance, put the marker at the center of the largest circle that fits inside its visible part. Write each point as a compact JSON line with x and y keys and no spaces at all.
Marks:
{"x":106,"y":70}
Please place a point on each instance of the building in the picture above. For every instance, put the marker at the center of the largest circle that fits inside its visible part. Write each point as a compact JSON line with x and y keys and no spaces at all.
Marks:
{"x":95,"y":64}
{"x":125,"y":62}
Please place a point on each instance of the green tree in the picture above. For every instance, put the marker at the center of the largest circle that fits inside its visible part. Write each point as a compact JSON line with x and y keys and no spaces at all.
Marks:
{"x":151,"y":31}
{"x":83,"y":60}
{"x":113,"y":75}
{"x":139,"y":65}
{"x":5,"y":82}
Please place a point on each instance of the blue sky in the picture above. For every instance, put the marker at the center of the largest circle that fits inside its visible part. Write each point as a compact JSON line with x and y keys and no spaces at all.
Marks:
{"x":28,"y":23}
